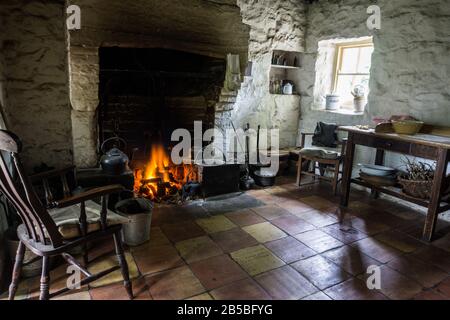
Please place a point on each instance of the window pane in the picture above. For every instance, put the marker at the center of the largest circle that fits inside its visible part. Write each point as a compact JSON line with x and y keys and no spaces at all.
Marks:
{"x":345,"y":85}
{"x":349,"y":60}
{"x":365,"y":59}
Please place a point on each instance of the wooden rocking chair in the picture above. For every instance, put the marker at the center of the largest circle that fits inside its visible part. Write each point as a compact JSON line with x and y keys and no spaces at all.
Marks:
{"x":44,"y":232}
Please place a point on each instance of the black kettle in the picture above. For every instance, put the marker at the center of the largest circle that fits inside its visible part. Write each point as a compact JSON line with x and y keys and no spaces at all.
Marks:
{"x":114,"y":161}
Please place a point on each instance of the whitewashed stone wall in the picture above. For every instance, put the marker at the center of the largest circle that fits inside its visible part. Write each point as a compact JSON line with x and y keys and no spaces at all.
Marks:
{"x":35,"y":52}
{"x":274,"y":25}
{"x":410,"y":64}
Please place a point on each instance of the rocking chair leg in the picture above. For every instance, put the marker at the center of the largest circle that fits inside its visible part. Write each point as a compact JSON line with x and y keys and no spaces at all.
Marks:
{"x":16,"y":271}
{"x":123,"y":264}
{"x":85,"y":255}
{"x":45,"y":279}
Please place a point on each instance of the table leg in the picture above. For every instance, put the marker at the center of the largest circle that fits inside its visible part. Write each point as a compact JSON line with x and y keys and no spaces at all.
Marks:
{"x":436,"y":193}
{"x":379,"y":161}
{"x":347,"y":172}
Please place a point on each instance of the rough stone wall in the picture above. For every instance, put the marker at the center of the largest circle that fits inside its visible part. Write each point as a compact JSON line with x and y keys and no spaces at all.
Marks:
{"x":35,"y":59}
{"x":208,"y":27}
{"x":274,"y":25}
{"x":410,"y":64}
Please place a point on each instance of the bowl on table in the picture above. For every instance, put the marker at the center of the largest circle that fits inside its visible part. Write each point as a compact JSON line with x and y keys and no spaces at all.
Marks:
{"x":409,"y":127}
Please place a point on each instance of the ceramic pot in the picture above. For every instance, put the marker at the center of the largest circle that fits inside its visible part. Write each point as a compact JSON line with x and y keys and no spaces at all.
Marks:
{"x":332,"y":102}
{"x":359,"y":104}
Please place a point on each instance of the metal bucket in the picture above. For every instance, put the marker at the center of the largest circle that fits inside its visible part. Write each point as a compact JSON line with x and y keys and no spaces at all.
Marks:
{"x":137,"y":230}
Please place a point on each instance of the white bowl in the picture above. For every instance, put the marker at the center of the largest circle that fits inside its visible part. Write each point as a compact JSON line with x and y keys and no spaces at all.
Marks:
{"x":379,"y":171}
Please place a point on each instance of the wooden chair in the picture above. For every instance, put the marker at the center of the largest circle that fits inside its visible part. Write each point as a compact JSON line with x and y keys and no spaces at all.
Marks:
{"x":327,"y":164}
{"x":40,"y":233}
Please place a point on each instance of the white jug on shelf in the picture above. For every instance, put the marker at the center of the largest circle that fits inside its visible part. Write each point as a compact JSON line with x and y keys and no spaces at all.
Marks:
{"x":287,"y":88}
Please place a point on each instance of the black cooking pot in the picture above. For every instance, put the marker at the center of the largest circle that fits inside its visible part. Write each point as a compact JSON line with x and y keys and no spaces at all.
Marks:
{"x":114,"y":161}
{"x":264,"y":179}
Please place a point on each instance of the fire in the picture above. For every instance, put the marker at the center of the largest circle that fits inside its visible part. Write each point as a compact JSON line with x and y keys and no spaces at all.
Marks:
{"x":160,"y":179}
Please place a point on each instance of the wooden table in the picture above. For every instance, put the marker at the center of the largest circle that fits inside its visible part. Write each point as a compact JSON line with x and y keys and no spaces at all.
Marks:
{"x":423,"y":145}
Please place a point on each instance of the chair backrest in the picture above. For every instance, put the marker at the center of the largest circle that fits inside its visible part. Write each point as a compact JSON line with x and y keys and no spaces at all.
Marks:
{"x":325,"y":135}
{"x":17,"y":188}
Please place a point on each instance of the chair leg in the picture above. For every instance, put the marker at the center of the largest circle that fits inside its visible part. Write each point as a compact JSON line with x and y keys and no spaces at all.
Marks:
{"x":85,"y":255}
{"x":299,"y":171}
{"x":123,"y":264}
{"x":336,"y":178}
{"x":16,"y":271}
{"x":45,"y":279}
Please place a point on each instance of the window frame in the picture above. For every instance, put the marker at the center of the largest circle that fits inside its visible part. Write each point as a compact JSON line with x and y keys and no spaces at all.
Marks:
{"x":339,"y":59}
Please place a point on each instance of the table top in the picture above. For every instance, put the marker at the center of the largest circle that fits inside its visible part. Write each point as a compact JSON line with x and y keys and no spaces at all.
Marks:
{"x":432,"y":140}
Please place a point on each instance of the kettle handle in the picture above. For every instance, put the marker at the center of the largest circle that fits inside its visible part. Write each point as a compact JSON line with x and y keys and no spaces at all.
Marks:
{"x":111,"y":139}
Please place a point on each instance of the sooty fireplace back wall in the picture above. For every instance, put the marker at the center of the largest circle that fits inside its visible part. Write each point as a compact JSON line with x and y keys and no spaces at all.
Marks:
{"x":147,"y":93}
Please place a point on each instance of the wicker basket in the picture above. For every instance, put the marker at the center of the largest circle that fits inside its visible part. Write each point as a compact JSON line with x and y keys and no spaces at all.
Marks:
{"x":419,"y":189}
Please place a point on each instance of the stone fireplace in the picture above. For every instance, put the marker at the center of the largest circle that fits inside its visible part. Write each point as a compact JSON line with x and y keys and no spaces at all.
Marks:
{"x":141,"y":79}
{"x":145,"y":94}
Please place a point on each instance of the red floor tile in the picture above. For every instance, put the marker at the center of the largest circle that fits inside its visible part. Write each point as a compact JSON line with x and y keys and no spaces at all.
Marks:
{"x":244,"y":217}
{"x":350,"y":259}
{"x":246,"y":289}
{"x":425,"y":274}
{"x":157,"y":259}
{"x":217,"y":271}
{"x":271,"y":212}
{"x":118,"y":292}
{"x":233,"y":240}
{"x":321,"y":272}
{"x":182,"y":231}
{"x":353,"y":289}
{"x":174,"y":284}
{"x":344,"y":233}
{"x":292,"y":224}
{"x":318,"y":240}
{"x":285,"y":284}
{"x":289,"y":249}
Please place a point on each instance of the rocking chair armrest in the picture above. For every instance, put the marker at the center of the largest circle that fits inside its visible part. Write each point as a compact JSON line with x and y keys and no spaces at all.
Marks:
{"x":89,"y":195}
{"x":51,"y":173}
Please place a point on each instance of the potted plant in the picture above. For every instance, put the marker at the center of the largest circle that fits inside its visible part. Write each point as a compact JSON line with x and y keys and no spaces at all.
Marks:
{"x":417,"y":181}
{"x":359,"y":99}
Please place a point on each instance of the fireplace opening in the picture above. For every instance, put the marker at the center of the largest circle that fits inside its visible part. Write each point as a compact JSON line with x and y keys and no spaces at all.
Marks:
{"x":147,"y":93}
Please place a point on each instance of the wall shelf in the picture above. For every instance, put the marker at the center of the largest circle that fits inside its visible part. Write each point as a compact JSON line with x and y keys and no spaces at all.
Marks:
{"x":285,"y":68}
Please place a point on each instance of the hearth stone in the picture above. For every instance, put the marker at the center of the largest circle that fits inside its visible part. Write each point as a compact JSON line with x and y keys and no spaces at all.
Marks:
{"x":230,"y":202}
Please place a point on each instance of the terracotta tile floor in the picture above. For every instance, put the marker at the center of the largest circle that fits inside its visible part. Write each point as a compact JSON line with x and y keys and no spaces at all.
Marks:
{"x":283,"y":242}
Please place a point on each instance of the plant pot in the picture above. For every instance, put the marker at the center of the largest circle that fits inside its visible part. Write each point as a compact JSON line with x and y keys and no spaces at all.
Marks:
{"x":359,"y":104}
{"x":416,"y":188}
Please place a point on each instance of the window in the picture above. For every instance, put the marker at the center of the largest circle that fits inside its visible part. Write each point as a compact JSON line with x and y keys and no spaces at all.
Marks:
{"x":353,"y":60}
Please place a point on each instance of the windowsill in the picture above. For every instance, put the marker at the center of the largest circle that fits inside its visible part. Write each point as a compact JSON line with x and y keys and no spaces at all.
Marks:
{"x":343,"y":112}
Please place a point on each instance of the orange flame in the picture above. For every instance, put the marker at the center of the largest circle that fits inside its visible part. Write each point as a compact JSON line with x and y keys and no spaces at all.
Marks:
{"x":160,"y":177}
